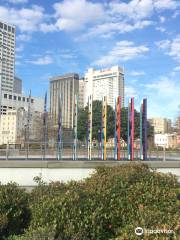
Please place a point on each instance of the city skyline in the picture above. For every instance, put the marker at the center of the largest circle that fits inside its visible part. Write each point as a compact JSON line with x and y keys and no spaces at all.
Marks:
{"x":57,"y":37}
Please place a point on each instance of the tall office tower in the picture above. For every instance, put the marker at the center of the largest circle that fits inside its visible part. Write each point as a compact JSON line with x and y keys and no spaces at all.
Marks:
{"x":7,"y":56}
{"x":105,"y":82}
{"x":81,"y":93}
{"x":17,"y":88}
{"x":66,"y":87}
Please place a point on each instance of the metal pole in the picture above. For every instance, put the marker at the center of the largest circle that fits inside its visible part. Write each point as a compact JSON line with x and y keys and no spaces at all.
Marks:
{"x":90,"y":127}
{"x":45,"y":125}
{"x":104,"y":128}
{"x":59,"y":138}
{"x":119,"y":128}
{"x":144,"y":126}
{"x":102,"y":132}
{"x":28,"y":121}
{"x":7,"y":150}
{"x":164,"y":153}
{"x":132,"y":128}
{"x":115,"y":130}
{"x":128,"y":139}
{"x":141,"y":146}
{"x":75,"y":128}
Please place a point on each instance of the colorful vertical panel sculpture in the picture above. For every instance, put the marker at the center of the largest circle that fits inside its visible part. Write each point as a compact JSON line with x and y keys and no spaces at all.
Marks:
{"x":45,"y":124}
{"x":59,"y":137}
{"x":104,"y":128}
{"x":118,"y":128}
{"x":90,"y":127}
{"x":141,"y":146}
{"x":29,"y":116}
{"x":131,"y":129}
{"x":75,"y":112}
{"x":143,"y":130}
{"x":115,"y":130}
{"x":28,"y":125}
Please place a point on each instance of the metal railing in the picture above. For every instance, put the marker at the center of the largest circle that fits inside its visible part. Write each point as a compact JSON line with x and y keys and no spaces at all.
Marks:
{"x":41,"y":151}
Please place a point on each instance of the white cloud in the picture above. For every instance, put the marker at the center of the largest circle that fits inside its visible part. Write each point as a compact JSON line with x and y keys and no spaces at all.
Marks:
{"x":123,"y":51}
{"x":17,"y":1}
{"x":20,"y":48}
{"x":161,"y":29}
{"x":166,"y":4}
{"x":109,"y":28}
{"x":44,"y":27}
{"x":76,"y":14}
{"x":171,"y":47}
{"x":136,"y":73}
{"x":164,"y":87}
{"x":23,"y":37}
{"x":67,"y":56}
{"x":27,"y":19}
{"x":134,"y":9}
{"x":163,"y":97}
{"x":162,"y":19}
{"x":177,"y":69}
{"x":130,"y":92}
{"x":42,"y":60}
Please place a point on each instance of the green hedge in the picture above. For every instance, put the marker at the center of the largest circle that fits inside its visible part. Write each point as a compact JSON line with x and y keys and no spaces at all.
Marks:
{"x":108,"y":205}
{"x":14,"y":210}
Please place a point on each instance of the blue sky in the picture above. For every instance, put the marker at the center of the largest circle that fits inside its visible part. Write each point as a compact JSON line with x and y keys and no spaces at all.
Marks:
{"x":55,"y":37}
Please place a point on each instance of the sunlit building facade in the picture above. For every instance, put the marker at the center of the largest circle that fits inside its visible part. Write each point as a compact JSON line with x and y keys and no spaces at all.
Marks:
{"x":104,"y":82}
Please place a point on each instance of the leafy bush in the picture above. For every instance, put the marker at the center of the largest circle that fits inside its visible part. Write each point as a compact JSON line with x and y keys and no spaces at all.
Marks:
{"x":108,"y":205}
{"x":14,"y":213}
{"x":111,"y":203}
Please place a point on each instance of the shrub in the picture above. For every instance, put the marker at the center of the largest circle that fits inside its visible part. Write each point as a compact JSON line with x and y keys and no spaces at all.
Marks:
{"x":14,"y":213}
{"x":108,"y":205}
{"x":111,"y":203}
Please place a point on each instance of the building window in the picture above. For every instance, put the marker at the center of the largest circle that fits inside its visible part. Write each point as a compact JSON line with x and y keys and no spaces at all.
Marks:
{"x":10,"y":96}
{"x":15,"y":97}
{"x":32,"y":100}
{"x":19,"y":98}
{"x":5,"y":95}
{"x":24,"y":99}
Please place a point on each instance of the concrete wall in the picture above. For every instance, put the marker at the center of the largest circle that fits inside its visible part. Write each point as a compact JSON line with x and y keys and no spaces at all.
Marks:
{"x":23,"y":172}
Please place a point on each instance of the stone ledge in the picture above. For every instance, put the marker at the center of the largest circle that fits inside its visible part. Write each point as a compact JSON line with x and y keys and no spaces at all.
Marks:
{"x":82,"y":164}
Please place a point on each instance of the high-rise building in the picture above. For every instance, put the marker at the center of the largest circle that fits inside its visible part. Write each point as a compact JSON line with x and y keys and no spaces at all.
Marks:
{"x":7,"y":56}
{"x":105,"y":82}
{"x":66,"y":87}
{"x":17,"y":88}
{"x":81,"y":93}
{"x":161,"y":125}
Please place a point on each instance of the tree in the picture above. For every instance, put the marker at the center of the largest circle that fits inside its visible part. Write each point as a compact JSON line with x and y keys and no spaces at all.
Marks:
{"x":97,"y":111}
{"x":124,"y":125}
{"x":96,"y":121}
